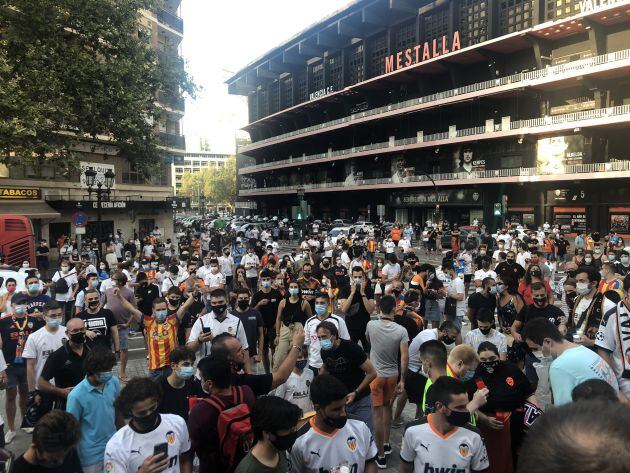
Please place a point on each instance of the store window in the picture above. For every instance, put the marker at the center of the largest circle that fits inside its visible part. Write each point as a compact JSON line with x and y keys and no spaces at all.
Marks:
{"x":571,"y":219}
{"x":620,"y":219}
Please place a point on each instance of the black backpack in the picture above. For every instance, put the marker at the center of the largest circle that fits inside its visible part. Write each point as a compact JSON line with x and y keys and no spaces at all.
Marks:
{"x":61,"y":285}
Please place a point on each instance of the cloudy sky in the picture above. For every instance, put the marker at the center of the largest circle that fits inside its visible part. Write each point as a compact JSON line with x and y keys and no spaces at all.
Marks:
{"x":221,"y":37}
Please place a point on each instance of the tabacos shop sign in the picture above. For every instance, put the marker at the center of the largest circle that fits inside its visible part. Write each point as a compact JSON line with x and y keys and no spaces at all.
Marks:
{"x":422,"y":52}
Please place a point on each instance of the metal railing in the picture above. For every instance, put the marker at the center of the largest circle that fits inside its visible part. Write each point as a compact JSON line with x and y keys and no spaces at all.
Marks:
{"x":514,"y":79}
{"x":171,"y":140}
{"x":526,"y":126}
{"x":451,"y":176}
{"x":170,"y":19}
{"x":175,"y":102}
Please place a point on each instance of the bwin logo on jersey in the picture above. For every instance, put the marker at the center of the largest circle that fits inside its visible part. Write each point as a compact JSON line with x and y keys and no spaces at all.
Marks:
{"x":443,"y":469}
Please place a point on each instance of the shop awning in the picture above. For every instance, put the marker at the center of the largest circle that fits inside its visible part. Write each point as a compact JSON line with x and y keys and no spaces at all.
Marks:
{"x":38,"y":209}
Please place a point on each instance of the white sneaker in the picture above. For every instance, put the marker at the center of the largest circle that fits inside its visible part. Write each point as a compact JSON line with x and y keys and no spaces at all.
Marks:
{"x":28,"y":430}
{"x":9,"y":436}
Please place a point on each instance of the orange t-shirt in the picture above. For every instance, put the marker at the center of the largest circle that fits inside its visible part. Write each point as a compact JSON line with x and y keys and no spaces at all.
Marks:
{"x":161,"y":340}
{"x":396,"y":234}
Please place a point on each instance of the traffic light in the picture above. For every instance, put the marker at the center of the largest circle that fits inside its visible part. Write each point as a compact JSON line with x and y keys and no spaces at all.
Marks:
{"x":497,"y":209}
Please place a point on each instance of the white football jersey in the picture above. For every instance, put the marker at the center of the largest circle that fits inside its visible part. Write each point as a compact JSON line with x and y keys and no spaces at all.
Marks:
{"x":297,"y":390}
{"x":310,"y":337}
{"x":315,"y":451}
{"x":127,"y":449}
{"x":462,"y":450}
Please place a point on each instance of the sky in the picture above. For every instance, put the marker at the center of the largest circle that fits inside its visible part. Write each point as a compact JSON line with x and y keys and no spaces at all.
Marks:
{"x":220,"y":38}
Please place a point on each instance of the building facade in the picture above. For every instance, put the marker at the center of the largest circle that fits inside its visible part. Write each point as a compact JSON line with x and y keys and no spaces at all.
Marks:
{"x":51,"y":198}
{"x":467,"y":104}
{"x":195,"y":162}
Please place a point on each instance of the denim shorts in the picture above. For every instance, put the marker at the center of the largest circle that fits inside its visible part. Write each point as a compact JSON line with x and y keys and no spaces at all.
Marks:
{"x":123,"y":335}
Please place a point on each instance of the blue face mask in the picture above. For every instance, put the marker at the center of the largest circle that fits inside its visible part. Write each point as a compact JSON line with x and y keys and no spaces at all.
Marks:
{"x":326,"y":344}
{"x":53,"y":323}
{"x":104,"y":377}
{"x":160,"y":315}
{"x":20,"y":309}
{"x":294,"y":292}
{"x":266,"y":284}
{"x":468,"y":376}
{"x":33,"y":288}
{"x":95,"y":283}
{"x":301,"y":364}
{"x":186,"y":372}
{"x":320,"y":309}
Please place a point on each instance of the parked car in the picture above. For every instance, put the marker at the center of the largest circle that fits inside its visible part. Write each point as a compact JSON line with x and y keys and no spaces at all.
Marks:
{"x":337,"y":233}
{"x":341,"y":222}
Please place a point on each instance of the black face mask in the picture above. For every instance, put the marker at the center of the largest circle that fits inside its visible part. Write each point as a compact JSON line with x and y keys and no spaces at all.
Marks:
{"x":485,"y":331}
{"x":457,"y":418}
{"x":243,"y":305}
{"x":490,"y":366}
{"x":448,"y":340}
{"x":284,"y":442}
{"x":146,"y":423}
{"x":336,"y":423}
{"x":93,"y":305}
{"x":540,"y":301}
{"x":510,"y":261}
{"x":307,"y":275}
{"x":218,"y":309}
{"x":570,"y":299}
{"x":535,"y":274}
{"x":174,"y":302}
{"x":77,"y":338}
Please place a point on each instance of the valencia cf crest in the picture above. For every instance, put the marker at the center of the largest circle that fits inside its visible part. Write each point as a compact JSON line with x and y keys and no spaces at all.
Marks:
{"x":352,"y":443}
{"x":464,"y":449}
{"x":170,"y":437}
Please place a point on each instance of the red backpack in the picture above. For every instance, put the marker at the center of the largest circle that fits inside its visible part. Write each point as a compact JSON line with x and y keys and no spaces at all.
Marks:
{"x":233,"y":427}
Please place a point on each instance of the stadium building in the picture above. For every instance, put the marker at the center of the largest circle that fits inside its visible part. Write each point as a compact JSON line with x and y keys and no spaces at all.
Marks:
{"x":491,"y":109}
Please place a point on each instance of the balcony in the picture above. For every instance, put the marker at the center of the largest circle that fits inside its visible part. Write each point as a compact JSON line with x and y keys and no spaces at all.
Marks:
{"x":171,"y":140}
{"x":173,"y":21}
{"x":176,"y":103}
{"x":515,"y":81}
{"x":548,"y":124}
{"x":171,"y":58}
{"x":595,"y":170}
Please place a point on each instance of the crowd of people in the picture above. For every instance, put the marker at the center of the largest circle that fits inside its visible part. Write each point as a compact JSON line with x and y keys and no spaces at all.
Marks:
{"x":266,"y":360}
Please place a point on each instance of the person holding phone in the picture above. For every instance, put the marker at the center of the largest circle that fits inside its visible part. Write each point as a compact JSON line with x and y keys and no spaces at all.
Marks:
{"x":151,"y":442}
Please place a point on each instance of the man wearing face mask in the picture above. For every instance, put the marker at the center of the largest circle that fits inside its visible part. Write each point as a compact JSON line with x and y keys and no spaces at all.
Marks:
{"x":357,"y":302}
{"x":483,"y":273}
{"x":100,"y":323}
{"x":252,"y":322}
{"x":132,"y":448}
{"x":214,"y":323}
{"x":226,"y":266}
{"x":586,"y":315}
{"x":572,"y":363}
{"x":35,"y":299}
{"x":274,"y":422}
{"x":539,"y":309}
{"x":181,"y":384}
{"x":92,"y":284}
{"x":65,"y":365}
{"x":485,"y":333}
{"x":622,"y":267}
{"x":204,"y":270}
{"x":444,"y":439}
{"x":222,"y":394}
{"x":332,"y":440}
{"x":485,"y":299}
{"x":510,"y":267}
{"x":42,"y":343}
{"x":65,"y":282}
{"x":15,"y":331}
{"x":42,"y":252}
{"x":91,"y":402}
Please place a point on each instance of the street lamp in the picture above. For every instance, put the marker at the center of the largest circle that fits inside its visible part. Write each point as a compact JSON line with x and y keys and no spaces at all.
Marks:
{"x":99,"y":188}
{"x":436,"y":212}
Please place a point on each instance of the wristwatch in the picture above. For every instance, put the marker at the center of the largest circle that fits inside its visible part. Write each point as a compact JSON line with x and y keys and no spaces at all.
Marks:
{"x":296,"y":347}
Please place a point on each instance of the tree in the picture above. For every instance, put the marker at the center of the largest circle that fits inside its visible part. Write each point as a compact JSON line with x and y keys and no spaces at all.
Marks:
{"x":72,"y":70}
{"x":216,"y":185}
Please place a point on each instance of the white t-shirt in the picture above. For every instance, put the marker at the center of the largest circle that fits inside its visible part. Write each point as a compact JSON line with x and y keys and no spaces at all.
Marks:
{"x":315,"y":451}
{"x":404,"y":244}
{"x":391,"y":270}
{"x":456,"y":286}
{"x":40,"y":344}
{"x":214,"y":280}
{"x":147,"y":251}
{"x":474,"y":338}
{"x":390,"y":247}
{"x":521,"y":258}
{"x":168,"y":282}
{"x":297,"y":390}
{"x":251,"y":263}
{"x":127,"y":449}
{"x":71,"y":279}
{"x":414,"y":347}
{"x":311,"y":340}
{"x":461,"y":450}
{"x":230,"y":324}
{"x":225,"y":265}
{"x":482,"y":274}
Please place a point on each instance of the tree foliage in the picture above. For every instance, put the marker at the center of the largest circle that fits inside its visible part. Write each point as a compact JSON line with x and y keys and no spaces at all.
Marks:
{"x":71,"y":69}
{"x":217,"y":185}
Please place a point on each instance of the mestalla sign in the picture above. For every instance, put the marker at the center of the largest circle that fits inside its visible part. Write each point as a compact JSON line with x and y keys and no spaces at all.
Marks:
{"x":422,"y":52}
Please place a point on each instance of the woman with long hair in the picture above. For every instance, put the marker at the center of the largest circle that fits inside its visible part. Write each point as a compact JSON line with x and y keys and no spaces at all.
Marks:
{"x":239,"y":281}
{"x":533,"y":274}
{"x":293,"y":311}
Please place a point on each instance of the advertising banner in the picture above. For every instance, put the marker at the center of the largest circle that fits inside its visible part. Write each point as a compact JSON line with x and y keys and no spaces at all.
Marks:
{"x":465,"y":160}
{"x":553,"y":154}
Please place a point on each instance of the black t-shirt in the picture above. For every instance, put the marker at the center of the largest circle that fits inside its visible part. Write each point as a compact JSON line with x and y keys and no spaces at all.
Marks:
{"x":71,"y":464}
{"x":508,"y":385}
{"x":146,"y":294}
{"x":478,"y":301}
{"x":66,"y":366}
{"x":252,"y":320}
{"x":357,"y":316}
{"x":531,"y":312}
{"x":259,"y":383}
{"x":562,"y":246}
{"x":268,"y":311}
{"x":513,"y":270}
{"x":175,"y":401}
{"x":344,"y":363}
{"x":341,"y":275}
{"x":621,"y":269}
{"x":35,"y":304}
{"x":14,"y":332}
{"x":408,"y":324}
{"x":43,"y":257}
{"x":101,"y":322}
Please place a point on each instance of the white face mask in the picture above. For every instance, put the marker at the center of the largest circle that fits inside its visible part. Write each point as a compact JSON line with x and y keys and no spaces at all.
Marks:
{"x":582,"y":288}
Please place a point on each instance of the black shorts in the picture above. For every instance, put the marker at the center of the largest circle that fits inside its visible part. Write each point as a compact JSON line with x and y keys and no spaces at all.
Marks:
{"x":269,"y":338}
{"x":414,"y":386}
{"x":467,"y":278}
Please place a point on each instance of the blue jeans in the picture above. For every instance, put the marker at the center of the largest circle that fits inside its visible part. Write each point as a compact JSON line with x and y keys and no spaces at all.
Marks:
{"x":363,"y":410}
